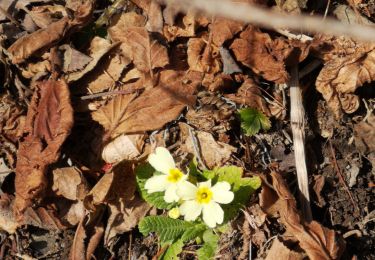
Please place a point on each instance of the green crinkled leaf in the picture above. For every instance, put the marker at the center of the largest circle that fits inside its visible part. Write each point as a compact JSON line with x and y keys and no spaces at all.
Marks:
{"x":208,"y":250}
{"x":143,"y":173}
{"x":173,"y":251}
{"x":168,"y":229}
{"x":253,"y":120}
{"x":193,"y":232}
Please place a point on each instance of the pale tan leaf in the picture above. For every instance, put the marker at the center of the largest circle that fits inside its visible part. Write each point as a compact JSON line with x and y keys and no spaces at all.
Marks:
{"x":214,"y":154}
{"x":69,"y":183}
{"x":73,"y":60}
{"x":124,"y":147}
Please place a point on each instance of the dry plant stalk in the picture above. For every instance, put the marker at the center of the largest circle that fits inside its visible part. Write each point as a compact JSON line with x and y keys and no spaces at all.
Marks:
{"x":250,"y":13}
{"x":297,"y":120}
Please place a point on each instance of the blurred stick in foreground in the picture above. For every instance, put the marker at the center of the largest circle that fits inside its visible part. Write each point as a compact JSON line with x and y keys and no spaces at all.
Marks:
{"x":271,"y":19}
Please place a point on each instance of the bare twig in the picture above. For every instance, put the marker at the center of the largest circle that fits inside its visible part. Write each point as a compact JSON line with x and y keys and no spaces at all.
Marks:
{"x":341,"y":178}
{"x":271,"y":19}
{"x":109,"y":93}
{"x":297,"y":120}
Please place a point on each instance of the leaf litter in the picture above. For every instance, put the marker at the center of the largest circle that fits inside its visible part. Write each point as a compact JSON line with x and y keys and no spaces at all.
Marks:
{"x":89,"y":90}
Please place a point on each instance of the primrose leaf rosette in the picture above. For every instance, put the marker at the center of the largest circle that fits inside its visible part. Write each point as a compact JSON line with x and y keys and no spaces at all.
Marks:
{"x":204,"y":199}
{"x":170,"y":178}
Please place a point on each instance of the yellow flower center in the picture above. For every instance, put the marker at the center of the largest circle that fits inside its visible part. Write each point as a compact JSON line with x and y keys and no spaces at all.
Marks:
{"x":174,"y":175}
{"x":204,"y":195}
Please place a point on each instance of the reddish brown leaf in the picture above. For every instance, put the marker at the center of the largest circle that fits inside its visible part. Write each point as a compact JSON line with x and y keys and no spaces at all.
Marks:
{"x":152,"y":109}
{"x":259,"y":52}
{"x":203,"y":57}
{"x":48,"y":123}
{"x":224,"y":29}
{"x":317,"y":241}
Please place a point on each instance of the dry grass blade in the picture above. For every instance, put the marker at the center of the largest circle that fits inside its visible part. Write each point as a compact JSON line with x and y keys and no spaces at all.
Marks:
{"x":297,"y":120}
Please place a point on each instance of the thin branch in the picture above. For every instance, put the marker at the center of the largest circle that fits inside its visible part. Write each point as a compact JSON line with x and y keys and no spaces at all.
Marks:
{"x":271,"y":19}
{"x":297,"y":120}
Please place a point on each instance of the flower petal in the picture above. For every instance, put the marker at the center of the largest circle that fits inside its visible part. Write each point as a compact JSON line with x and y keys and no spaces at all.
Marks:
{"x":170,"y":194}
{"x":186,"y":190}
{"x":205,"y":184}
{"x":221,"y":193}
{"x":212,"y":214}
{"x":162,"y":160}
{"x":156,"y":183}
{"x":190,"y":210}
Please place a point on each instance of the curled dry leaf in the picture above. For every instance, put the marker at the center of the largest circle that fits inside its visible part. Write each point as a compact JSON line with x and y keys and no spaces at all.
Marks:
{"x":39,"y":217}
{"x":185,"y":27}
{"x":124,"y":147}
{"x":48,"y":123}
{"x":317,"y":241}
{"x":203,"y":57}
{"x":364,"y":136}
{"x":343,"y":74}
{"x":224,"y":29}
{"x":154,"y":108}
{"x":12,"y":119}
{"x":250,"y":95}
{"x":213,"y":153}
{"x":69,"y":183}
{"x":259,"y":52}
{"x":45,"y":15}
{"x":45,"y":38}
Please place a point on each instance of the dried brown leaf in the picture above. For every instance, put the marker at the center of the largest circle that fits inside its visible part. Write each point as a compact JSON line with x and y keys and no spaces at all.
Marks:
{"x":137,"y":44}
{"x":48,"y":123}
{"x":12,"y":119}
{"x":203,"y":57}
{"x":98,"y":48}
{"x":124,"y":147}
{"x":250,"y":95}
{"x":45,"y":38}
{"x":125,"y":215}
{"x":69,"y":183}
{"x":259,"y":52}
{"x":279,"y":250}
{"x":154,"y":108}
{"x":224,"y":29}
{"x":343,"y":74}
{"x":364,"y":134}
{"x":185,"y":27}
{"x":73,"y":60}
{"x":45,"y":15}
{"x":317,"y":241}
{"x":214,"y":154}
{"x":292,"y":6}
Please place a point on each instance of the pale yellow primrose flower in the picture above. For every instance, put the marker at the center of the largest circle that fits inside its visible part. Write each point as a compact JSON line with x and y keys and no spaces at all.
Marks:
{"x":170,"y":178}
{"x":174,"y":213}
{"x":206,"y":199}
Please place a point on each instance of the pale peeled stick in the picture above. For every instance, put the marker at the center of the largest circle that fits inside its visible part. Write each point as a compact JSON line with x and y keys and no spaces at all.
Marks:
{"x":124,"y":147}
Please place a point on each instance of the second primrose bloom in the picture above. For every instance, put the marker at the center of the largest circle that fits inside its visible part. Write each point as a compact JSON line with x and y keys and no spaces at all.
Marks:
{"x":171,"y":177}
{"x":205,"y":199}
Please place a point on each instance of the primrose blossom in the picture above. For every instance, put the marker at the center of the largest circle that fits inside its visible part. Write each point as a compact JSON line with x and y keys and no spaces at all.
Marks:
{"x":204,"y":199}
{"x":170,"y":177}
